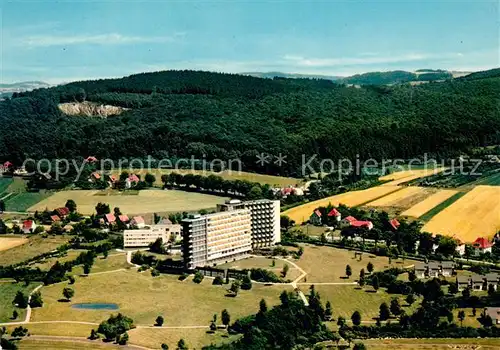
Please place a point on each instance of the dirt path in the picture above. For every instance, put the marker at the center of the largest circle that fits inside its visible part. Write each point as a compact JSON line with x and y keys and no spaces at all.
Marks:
{"x":74,"y":340}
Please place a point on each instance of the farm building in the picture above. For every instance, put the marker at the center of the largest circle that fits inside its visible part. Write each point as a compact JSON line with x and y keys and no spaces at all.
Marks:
{"x":482,"y":245}
{"x":29,"y":226}
{"x":336,"y":214}
{"x":494,"y":313}
{"x":138,"y":221}
{"x":315,"y":218}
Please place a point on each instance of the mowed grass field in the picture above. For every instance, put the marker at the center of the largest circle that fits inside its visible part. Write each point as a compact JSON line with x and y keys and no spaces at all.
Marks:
{"x":432,"y":344}
{"x":428,"y":203}
{"x":226,"y":175}
{"x":145,"y":201}
{"x":11,"y":242}
{"x":301,"y":213}
{"x":34,"y":246}
{"x":264,"y":263}
{"x":327,"y":264}
{"x":403,"y":198}
{"x":475,"y":214}
{"x":143,"y":297}
{"x":8,"y":291}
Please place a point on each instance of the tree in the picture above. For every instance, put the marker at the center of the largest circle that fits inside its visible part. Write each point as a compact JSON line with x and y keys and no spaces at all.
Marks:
{"x":198,"y":277}
{"x":491,"y":289}
{"x":36,"y":300}
{"x":359,"y":346}
{"x":341,"y":322}
{"x":375,"y":283}
{"x":164,"y":346}
{"x":68,"y":293}
{"x":262,"y":306}
{"x":150,"y":179}
{"x":285,"y":270}
{"x":225,"y":317}
{"x":361,"y":282}
{"x":157,"y":246}
{"x":181,"y":345}
{"x":15,"y":314}
{"x":328,"y":311}
{"x":218,"y":280}
{"x":466,"y":293}
{"x":235,"y":287}
{"x":105,"y":253}
{"x":71,"y":205}
{"x":20,"y":300}
{"x":461,"y":317}
{"x":384,"y":312}
{"x":410,"y":299}
{"x":348,"y":271}
{"x":123,"y":339}
{"x":86,"y":268}
{"x":2,"y":206}
{"x":395,"y":307}
{"x":356,"y":318}
{"x":102,"y":209}
{"x":453,"y":288}
{"x":93,"y":335}
{"x":246,"y":283}
{"x":369,"y":267}
{"x":362,"y":274}
{"x":159,"y":321}
{"x":71,"y":279}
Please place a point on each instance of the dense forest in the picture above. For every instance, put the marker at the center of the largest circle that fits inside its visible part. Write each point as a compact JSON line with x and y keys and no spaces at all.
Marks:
{"x":177,"y":114}
{"x":396,"y":77}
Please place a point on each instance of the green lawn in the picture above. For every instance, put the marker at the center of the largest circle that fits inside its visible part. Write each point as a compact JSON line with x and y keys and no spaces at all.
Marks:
{"x":4,"y":184}
{"x":143,"y":298}
{"x":434,"y":211}
{"x":264,"y":263}
{"x":23,"y":201}
{"x":432,"y":344}
{"x":7,"y":293}
{"x":491,"y":180}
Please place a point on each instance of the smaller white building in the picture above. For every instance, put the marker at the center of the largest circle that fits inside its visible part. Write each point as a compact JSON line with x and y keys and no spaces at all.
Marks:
{"x":144,"y":237}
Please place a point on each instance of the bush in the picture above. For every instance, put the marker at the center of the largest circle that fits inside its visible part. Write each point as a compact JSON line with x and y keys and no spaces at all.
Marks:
{"x":198,"y":277}
{"x":218,"y":280}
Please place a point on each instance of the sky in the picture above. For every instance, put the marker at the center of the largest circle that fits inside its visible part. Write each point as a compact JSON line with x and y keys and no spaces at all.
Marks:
{"x":75,"y":40}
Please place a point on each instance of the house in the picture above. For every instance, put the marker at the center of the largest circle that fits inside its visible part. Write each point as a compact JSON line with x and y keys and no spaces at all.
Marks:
{"x":164,"y":221}
{"x":477,"y":282}
{"x":463,"y":282}
{"x":494,"y":313}
{"x":131,"y":181}
{"x":29,"y":226}
{"x":315,"y":218}
{"x":123,"y":218}
{"x":7,"y":165}
{"x":62,"y":212}
{"x":447,"y":268}
{"x":90,"y":159}
{"x":336,"y":214}
{"x":359,"y":223}
{"x":112,"y":179}
{"x":95,"y":176}
{"x":346,"y":222}
{"x":420,"y":270}
{"x":394,"y":223}
{"x":55,"y":218}
{"x":481,"y":245}
{"x":110,"y":219}
{"x":138,"y":221}
{"x":434,"y":269}
{"x":460,"y":249}
{"x":492,"y":278}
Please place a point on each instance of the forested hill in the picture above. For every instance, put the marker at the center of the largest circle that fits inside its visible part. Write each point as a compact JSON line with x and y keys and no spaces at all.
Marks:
{"x":397,"y":77}
{"x":183,"y":113}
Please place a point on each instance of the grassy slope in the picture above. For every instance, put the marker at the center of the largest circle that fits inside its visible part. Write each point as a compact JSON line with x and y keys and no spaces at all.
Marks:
{"x":7,"y":293}
{"x":36,"y":245}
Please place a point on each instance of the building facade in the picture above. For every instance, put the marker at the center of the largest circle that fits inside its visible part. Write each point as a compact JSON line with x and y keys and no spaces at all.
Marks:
{"x":144,"y":237}
{"x":216,"y":238}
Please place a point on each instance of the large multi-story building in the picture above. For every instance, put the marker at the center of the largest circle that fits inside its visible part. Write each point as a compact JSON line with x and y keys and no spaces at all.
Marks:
{"x":216,"y":238}
{"x":144,"y":237}
{"x":265,"y":214}
{"x":231,"y":232}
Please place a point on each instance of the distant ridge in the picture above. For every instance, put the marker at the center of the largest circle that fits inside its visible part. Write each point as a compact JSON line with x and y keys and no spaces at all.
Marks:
{"x":271,"y":75}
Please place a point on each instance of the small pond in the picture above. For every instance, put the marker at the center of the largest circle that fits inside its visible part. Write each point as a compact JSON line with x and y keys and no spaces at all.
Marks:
{"x":95,"y":306}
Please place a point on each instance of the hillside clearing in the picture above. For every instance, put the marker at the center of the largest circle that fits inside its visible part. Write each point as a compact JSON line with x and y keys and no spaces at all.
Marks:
{"x":427,"y":204}
{"x":475,"y":214}
{"x":145,"y":201}
{"x":301,"y":213}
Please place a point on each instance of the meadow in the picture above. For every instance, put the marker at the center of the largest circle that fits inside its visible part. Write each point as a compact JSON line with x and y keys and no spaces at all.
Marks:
{"x":136,"y":203}
{"x":264,"y":263}
{"x":8,"y":291}
{"x":475,"y":214}
{"x":35,"y":245}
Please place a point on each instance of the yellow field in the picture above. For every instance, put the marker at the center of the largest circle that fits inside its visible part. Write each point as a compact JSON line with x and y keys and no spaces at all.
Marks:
{"x":408,"y":175}
{"x":226,"y":175}
{"x":301,"y":213}
{"x":145,"y":201}
{"x":11,"y":242}
{"x":395,"y":197}
{"x":474,"y":215}
{"x":429,"y":203}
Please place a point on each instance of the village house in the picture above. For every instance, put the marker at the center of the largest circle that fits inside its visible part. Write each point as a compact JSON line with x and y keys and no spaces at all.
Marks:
{"x":420,"y":270}
{"x":463,"y":282}
{"x":110,"y":219}
{"x":29,"y":226}
{"x":477,"y":282}
{"x":351,"y":221}
{"x":138,"y":221}
{"x":90,"y":159}
{"x":481,"y":245}
{"x":124,"y":219}
{"x":112,"y":180}
{"x":492,"y":278}
{"x":447,"y":268}
{"x":55,"y":218}
{"x":315,"y":218}
{"x":62,"y":212}
{"x":95,"y":176}
{"x":434,"y":269}
{"x":494,"y":313}
{"x":460,"y":249}
{"x":394,"y":224}
{"x":336,"y":214}
{"x":131,"y":181}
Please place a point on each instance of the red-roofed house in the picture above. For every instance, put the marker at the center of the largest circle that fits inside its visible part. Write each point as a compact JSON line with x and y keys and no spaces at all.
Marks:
{"x":7,"y":164}
{"x":359,"y":223}
{"x":336,"y":214}
{"x":62,"y":212}
{"x":132,"y":180}
{"x":315,"y":218}
{"x":95,"y":176}
{"x":55,"y":218}
{"x":138,"y":221}
{"x":112,"y":179}
{"x":394,"y":224}
{"x":90,"y":159}
{"x":346,"y":222}
{"x":482,"y":245}
{"x":124,"y":218}
{"x":110,"y":218}
{"x":29,"y":226}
